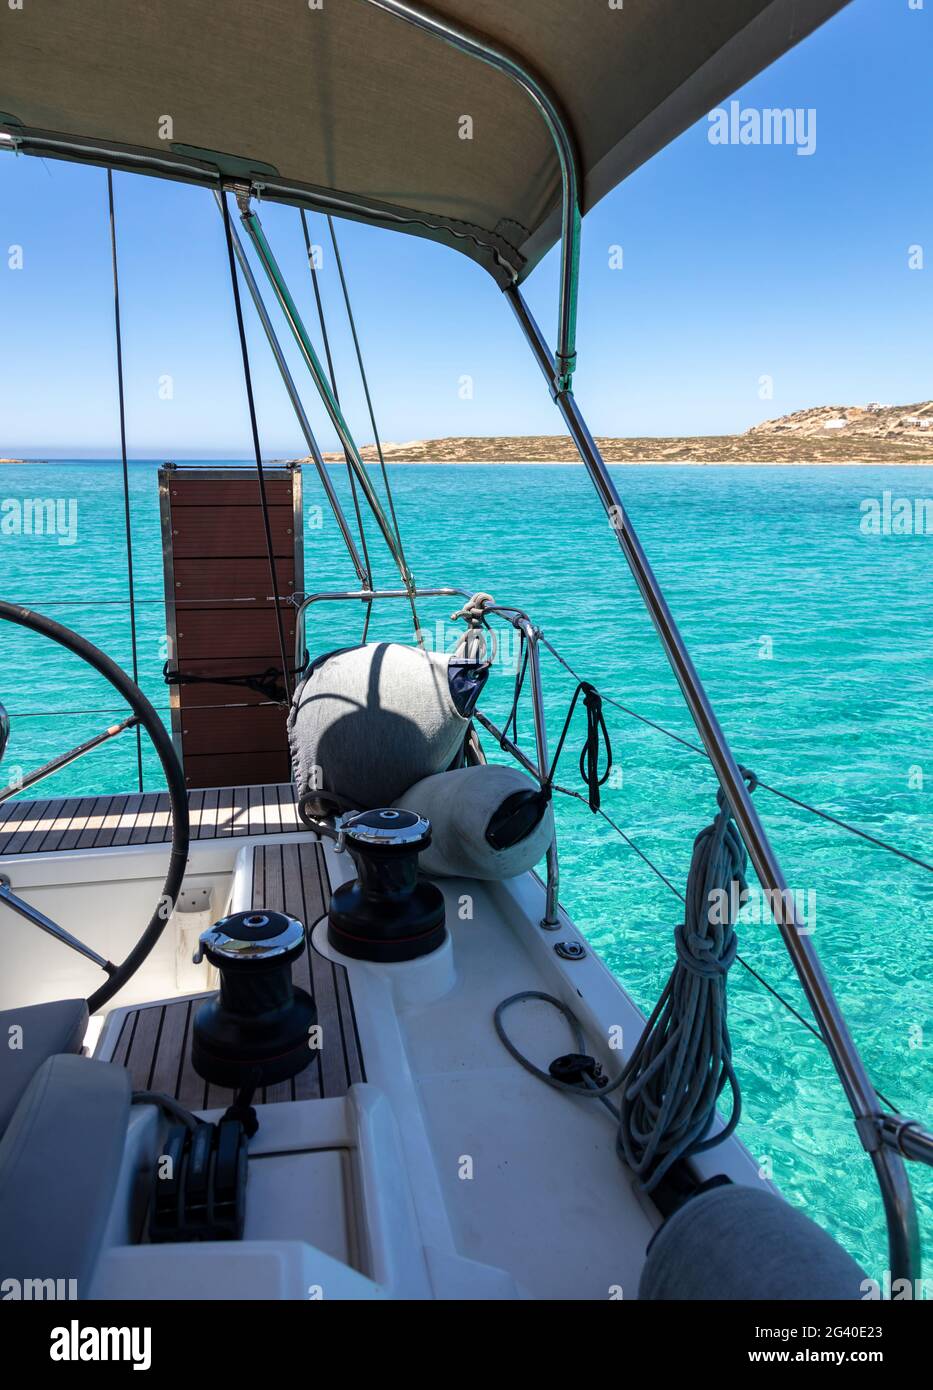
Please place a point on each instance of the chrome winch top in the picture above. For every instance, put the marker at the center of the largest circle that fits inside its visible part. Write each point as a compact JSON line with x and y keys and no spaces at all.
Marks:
{"x":250,"y":935}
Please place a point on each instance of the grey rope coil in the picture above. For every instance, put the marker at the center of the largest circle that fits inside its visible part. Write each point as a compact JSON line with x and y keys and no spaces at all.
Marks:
{"x":775,"y":791}
{"x":682,"y":1062}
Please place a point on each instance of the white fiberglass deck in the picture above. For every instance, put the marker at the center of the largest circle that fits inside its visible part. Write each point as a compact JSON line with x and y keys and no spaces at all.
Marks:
{"x":416,"y":1159}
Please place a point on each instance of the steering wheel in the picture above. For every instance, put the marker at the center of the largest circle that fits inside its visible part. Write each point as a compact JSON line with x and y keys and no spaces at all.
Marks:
{"x":145,"y":716}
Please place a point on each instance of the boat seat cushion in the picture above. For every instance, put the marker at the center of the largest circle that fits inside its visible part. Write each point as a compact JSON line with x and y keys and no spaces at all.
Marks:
{"x":368,"y":721}
{"x":27,"y":1037}
{"x":59,"y":1163}
{"x":461,"y":805}
{"x":736,"y":1242}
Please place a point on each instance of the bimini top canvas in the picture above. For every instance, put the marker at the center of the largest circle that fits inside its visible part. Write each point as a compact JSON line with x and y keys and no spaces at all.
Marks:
{"x":356,"y":106}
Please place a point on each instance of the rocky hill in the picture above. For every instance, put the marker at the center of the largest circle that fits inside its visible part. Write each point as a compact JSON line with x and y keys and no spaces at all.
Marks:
{"x":876,"y":421}
{"x":829,"y":434}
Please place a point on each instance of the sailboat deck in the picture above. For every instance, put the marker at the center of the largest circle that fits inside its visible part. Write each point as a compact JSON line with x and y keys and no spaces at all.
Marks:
{"x":105,"y":822}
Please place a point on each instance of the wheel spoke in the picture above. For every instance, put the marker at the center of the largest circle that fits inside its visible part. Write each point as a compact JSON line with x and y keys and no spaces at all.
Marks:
{"x":39,"y":919}
{"x":57,"y":764}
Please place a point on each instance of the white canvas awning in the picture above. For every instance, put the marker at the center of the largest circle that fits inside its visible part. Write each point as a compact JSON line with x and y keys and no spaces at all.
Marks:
{"x":347,"y":106}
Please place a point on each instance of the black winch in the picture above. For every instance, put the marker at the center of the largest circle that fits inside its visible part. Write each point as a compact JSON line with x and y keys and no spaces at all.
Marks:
{"x":387,"y":913}
{"x":255,"y":1032}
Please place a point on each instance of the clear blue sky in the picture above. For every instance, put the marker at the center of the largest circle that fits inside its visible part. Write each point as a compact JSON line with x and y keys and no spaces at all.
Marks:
{"x":739,"y":262}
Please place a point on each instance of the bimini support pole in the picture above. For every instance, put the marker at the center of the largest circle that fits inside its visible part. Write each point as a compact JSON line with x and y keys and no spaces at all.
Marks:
{"x":549,"y":107}
{"x":903,"y":1231}
{"x":281,"y":291}
{"x":289,"y":383}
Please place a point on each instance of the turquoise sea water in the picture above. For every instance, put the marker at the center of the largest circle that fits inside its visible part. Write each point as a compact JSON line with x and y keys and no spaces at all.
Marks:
{"x":815,"y":641}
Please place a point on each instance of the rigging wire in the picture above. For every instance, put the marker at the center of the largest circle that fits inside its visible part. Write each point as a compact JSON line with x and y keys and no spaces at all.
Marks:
{"x":263,"y":499}
{"x":659,"y":873}
{"x":126,"y":472}
{"x":775,"y":791}
{"x":811,"y":1028}
{"x":332,"y":375}
{"x":378,"y":442}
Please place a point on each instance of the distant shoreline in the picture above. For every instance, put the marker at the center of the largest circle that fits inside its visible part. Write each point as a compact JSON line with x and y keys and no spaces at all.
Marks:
{"x":641,"y":463}
{"x":889,"y":461}
{"x":840,"y":436}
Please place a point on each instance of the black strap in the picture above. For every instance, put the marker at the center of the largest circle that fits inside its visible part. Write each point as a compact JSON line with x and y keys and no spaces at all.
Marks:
{"x":589,"y":754}
{"x":268,"y":682}
{"x":243,"y":1111}
{"x":520,"y":673}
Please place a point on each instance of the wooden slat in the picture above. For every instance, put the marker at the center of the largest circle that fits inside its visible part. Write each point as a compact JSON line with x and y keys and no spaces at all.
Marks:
{"x":288,"y":808}
{"x":78,"y":810}
{"x":188,"y":490}
{"x":241,"y":635}
{"x":219,"y":1097}
{"x":122,"y":832}
{"x":112,"y":821}
{"x":125,"y":1040}
{"x":239,"y":819}
{"x":16,"y":830}
{"x":257,"y":817}
{"x":203,"y":579}
{"x":285,"y":869}
{"x":271,"y":811}
{"x":166,"y":1071}
{"x":95,"y":820}
{"x":49,"y":818}
{"x":352,"y":1048}
{"x":214,"y":532}
{"x":258,"y":882}
{"x":160,"y":827}
{"x":225,"y":805}
{"x":191,"y":1088}
{"x":207,"y":820}
{"x":248,"y":728}
{"x":76,"y":826}
{"x":323,"y":981}
{"x":103,"y":822}
{"x":142,"y":1053}
{"x":140,"y":831}
{"x":195,"y":806}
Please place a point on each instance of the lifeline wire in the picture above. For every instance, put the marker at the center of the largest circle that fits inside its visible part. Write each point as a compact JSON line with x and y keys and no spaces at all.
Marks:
{"x":775,"y":791}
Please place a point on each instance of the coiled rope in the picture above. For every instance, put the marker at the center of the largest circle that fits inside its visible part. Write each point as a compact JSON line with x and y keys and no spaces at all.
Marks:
{"x":682,"y":1062}
{"x":695,"y":748}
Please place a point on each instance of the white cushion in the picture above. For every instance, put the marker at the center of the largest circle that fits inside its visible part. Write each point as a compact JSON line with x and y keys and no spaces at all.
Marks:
{"x":460,"y":806}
